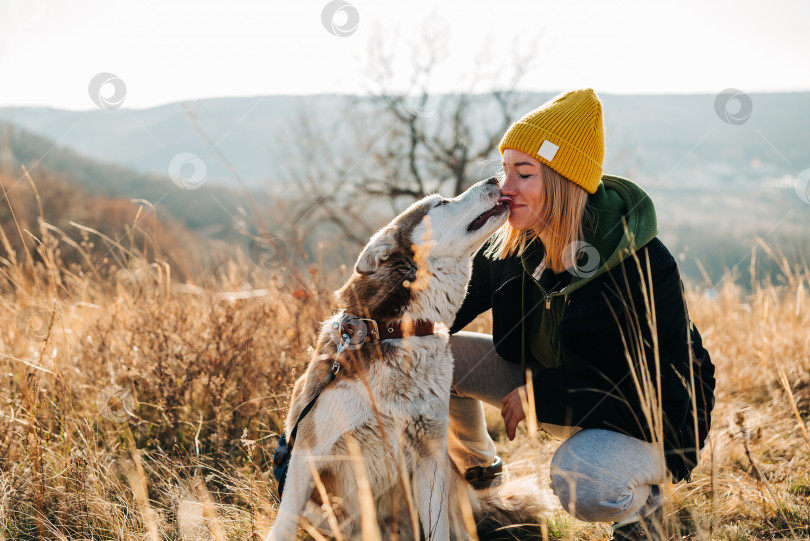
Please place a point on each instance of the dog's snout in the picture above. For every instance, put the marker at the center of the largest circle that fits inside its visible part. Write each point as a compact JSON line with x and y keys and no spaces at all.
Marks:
{"x":493,"y":181}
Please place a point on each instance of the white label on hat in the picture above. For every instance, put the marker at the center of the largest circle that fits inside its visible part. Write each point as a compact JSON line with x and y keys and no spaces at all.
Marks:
{"x":548,"y":150}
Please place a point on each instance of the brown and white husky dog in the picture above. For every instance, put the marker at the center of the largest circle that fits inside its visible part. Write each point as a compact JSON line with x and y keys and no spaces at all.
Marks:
{"x":378,"y":432}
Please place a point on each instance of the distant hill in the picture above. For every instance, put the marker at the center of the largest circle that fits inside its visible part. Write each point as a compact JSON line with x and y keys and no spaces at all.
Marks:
{"x":250,"y":132}
{"x":673,"y":139}
{"x":207,"y":209}
{"x":716,"y":186}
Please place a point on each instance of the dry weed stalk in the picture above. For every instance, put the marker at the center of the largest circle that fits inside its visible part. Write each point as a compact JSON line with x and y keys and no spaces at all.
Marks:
{"x":207,"y":360}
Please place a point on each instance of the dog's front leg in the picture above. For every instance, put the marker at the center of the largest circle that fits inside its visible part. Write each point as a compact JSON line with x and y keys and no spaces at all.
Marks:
{"x":298,"y":489}
{"x":431,"y":497}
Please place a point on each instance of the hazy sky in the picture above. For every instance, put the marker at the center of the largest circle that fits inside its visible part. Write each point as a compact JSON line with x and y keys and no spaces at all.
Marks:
{"x":166,"y":51}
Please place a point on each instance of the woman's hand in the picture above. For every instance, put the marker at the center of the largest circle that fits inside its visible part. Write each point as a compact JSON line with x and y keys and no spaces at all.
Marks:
{"x":512,"y":411}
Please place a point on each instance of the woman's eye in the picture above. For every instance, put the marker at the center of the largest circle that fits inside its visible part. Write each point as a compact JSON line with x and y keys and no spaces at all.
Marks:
{"x":524,"y":176}
{"x":442,"y":202}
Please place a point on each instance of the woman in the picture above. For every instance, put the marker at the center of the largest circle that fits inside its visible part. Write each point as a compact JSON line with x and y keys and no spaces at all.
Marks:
{"x":588,"y":302}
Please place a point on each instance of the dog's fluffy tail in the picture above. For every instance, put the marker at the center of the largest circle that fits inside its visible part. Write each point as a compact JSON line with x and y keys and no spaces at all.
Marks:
{"x":512,"y":510}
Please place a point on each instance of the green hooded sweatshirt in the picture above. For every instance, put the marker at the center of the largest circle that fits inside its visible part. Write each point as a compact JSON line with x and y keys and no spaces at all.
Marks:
{"x":616,"y":202}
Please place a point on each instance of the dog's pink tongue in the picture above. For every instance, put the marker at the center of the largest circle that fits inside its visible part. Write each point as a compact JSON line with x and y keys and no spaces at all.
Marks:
{"x":505,"y":199}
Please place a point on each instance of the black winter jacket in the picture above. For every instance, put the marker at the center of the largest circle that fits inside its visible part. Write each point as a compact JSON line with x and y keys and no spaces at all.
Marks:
{"x":592,"y":386}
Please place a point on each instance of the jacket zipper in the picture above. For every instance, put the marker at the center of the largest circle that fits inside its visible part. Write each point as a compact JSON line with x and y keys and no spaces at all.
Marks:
{"x":507,"y":281}
{"x":555,"y":322}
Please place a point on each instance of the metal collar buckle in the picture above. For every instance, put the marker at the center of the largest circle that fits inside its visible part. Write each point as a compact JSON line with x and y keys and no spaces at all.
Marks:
{"x":353,"y":330}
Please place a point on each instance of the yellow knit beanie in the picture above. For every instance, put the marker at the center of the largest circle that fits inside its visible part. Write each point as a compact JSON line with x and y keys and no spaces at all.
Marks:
{"x":566,"y":133}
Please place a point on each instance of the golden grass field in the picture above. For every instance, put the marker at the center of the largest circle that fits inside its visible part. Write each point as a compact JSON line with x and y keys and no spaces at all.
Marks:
{"x":136,"y":407}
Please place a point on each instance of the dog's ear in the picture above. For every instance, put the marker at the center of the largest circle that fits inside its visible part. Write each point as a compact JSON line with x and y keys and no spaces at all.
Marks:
{"x":378,"y":249}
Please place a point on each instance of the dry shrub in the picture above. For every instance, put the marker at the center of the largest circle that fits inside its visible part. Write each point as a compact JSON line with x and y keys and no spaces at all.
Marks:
{"x":134,"y":406}
{"x":117,"y":378}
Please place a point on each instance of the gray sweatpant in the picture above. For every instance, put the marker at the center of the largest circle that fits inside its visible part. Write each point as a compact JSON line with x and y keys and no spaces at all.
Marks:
{"x":598,"y":475}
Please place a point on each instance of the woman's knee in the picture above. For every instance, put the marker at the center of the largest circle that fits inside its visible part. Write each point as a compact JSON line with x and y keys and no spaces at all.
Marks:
{"x":589,"y":498}
{"x":590,"y":487}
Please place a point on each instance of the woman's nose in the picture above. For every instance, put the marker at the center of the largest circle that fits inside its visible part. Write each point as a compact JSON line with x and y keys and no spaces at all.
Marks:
{"x":508,"y":186}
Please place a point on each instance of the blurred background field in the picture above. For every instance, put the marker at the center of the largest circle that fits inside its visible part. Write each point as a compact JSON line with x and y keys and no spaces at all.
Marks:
{"x":182,"y":188}
{"x":326,"y":171}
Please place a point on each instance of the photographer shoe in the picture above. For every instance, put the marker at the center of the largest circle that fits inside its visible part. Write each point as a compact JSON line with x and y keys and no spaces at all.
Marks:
{"x":481,"y":477}
{"x":648,"y":528}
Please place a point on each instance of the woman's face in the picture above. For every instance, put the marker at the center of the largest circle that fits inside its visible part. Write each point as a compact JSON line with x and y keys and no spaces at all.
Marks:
{"x":523,"y":183}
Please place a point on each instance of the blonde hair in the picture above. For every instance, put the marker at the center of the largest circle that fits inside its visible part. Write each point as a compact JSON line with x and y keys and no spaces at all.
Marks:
{"x":561,"y":218}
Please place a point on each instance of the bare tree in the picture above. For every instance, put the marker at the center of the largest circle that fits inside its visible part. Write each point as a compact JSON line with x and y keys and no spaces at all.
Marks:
{"x":405,"y":142}
{"x":441,"y":139}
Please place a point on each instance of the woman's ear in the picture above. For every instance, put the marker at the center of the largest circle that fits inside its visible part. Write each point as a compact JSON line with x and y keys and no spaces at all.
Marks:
{"x":378,"y":249}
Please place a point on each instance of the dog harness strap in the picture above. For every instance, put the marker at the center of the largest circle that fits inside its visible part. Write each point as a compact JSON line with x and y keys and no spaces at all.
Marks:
{"x":281,"y":456}
{"x":327,"y":380}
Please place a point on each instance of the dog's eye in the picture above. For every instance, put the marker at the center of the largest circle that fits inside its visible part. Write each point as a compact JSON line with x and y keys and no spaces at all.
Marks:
{"x":442,"y":202}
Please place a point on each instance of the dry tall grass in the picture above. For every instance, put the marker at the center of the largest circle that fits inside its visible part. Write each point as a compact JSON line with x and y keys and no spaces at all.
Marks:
{"x":133,"y":407}
{"x":754,"y":478}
